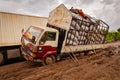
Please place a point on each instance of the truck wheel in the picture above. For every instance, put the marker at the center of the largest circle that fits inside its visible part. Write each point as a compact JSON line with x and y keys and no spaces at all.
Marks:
{"x":86,"y":53}
{"x":2,"y":59}
{"x":49,"y":60}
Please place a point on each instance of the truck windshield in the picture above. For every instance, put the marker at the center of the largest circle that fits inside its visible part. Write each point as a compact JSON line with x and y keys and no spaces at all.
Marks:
{"x":33,"y":33}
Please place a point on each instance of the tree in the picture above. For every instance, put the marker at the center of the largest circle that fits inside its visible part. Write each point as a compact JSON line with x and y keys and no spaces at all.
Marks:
{"x":118,"y":29}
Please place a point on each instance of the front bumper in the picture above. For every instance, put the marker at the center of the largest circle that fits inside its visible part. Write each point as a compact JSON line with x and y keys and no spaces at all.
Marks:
{"x":28,"y":55}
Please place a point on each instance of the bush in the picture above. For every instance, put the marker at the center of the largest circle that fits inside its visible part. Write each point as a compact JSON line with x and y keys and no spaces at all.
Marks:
{"x":112,"y":36}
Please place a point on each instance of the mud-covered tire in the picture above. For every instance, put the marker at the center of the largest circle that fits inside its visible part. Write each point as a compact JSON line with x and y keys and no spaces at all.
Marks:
{"x":2,"y":58}
{"x":86,"y":53}
{"x":49,"y":60}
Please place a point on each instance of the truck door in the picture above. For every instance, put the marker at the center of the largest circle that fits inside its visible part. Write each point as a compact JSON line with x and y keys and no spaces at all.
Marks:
{"x":49,"y":38}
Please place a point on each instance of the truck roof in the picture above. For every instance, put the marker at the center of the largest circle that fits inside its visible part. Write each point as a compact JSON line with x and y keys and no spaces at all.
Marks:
{"x":22,"y":14}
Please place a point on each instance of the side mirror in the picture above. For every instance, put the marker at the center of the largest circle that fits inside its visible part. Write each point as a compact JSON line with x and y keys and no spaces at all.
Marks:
{"x":33,"y":38}
{"x":22,"y":31}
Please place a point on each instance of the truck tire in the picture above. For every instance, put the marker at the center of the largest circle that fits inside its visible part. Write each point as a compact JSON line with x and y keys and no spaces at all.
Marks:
{"x":86,"y":53}
{"x":2,"y":58}
{"x":49,"y":59}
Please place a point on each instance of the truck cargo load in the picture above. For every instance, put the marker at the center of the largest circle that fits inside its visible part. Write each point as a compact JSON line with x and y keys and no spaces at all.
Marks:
{"x":81,"y":30}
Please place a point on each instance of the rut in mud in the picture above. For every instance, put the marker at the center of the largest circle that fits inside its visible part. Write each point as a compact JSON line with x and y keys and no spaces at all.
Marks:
{"x":104,"y":65}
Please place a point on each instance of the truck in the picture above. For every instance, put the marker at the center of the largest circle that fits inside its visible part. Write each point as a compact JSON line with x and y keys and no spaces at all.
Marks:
{"x":11,"y":25}
{"x":67,"y":31}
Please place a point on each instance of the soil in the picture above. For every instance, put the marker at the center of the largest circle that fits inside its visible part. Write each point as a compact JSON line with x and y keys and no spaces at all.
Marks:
{"x":102,"y":65}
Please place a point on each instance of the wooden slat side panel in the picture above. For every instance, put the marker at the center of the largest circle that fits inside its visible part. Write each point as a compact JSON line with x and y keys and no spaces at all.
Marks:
{"x":67,"y":49}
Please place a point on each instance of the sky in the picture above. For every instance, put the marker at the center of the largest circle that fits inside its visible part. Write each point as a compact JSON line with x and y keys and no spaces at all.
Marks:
{"x":106,"y":10}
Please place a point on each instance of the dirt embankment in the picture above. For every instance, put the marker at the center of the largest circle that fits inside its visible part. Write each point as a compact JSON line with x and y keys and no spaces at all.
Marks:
{"x":104,"y":65}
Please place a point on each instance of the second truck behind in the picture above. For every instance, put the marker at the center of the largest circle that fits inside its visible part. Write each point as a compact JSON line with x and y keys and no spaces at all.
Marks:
{"x":11,"y":25}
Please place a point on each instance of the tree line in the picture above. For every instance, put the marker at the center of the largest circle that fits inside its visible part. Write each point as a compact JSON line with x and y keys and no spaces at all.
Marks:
{"x":113,"y":36}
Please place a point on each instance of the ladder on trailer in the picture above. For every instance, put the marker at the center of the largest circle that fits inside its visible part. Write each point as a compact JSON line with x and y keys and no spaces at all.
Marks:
{"x":72,"y":55}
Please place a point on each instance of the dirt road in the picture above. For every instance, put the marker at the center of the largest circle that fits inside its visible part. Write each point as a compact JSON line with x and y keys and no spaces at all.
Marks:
{"x":104,"y":65}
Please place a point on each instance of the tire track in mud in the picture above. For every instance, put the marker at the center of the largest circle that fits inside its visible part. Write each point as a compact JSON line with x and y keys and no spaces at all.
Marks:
{"x":103,"y":66}
{"x":69,"y":70}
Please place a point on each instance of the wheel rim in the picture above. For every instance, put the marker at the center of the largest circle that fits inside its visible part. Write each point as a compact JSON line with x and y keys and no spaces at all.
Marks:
{"x":48,"y":60}
{"x":1,"y":57}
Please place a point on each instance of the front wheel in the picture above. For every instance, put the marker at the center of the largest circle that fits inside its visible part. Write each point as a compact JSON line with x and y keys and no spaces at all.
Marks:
{"x":86,"y":53}
{"x":49,"y":60}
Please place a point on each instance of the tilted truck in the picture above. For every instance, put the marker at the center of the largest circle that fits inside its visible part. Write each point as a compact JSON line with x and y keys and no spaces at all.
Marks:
{"x":10,"y":32}
{"x":67,"y":31}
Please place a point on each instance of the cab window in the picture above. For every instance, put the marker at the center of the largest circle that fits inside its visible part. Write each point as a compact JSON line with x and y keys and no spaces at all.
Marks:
{"x":48,"y":36}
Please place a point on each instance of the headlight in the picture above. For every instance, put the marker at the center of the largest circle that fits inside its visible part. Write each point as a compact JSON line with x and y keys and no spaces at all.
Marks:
{"x":40,"y":49}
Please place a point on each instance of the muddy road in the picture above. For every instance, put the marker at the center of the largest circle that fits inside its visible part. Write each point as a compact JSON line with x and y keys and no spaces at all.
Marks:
{"x":104,"y":65}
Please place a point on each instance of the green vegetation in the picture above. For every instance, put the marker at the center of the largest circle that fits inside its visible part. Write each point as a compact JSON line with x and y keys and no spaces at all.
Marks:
{"x":113,"y":36}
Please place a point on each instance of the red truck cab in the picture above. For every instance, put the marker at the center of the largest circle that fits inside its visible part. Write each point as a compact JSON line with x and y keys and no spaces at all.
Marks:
{"x":40,"y":44}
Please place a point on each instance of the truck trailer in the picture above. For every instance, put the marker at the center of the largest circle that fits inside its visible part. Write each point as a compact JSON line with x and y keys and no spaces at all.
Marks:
{"x":11,"y":25}
{"x":67,"y":31}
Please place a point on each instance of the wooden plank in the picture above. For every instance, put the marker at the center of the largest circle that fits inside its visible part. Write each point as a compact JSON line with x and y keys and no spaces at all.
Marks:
{"x":66,"y":49}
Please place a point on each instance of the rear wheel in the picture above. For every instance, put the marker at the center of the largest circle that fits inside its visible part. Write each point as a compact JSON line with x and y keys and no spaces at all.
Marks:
{"x":86,"y":53}
{"x":2,"y":59}
{"x":49,"y":60}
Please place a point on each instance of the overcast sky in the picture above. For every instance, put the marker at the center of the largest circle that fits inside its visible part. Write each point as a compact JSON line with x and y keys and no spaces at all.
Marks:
{"x":107,"y":10}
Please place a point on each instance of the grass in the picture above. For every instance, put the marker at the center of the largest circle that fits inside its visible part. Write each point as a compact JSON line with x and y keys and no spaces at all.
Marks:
{"x":112,"y":36}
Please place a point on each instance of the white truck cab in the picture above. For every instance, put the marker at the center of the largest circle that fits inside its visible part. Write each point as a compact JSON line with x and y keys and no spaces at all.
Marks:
{"x":39,"y":42}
